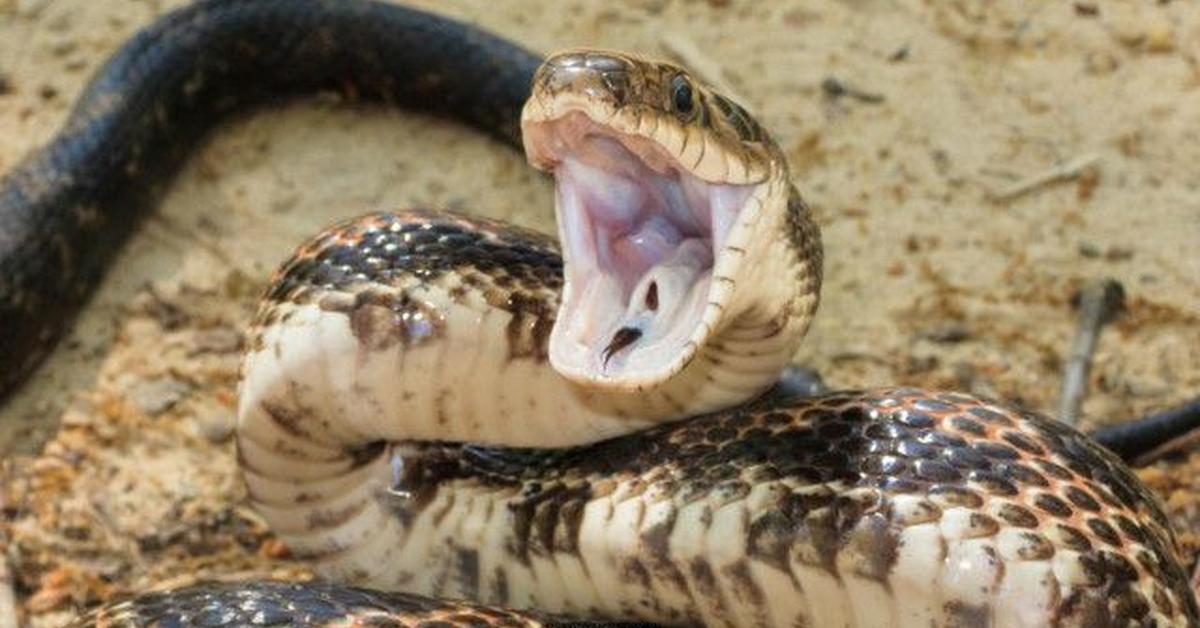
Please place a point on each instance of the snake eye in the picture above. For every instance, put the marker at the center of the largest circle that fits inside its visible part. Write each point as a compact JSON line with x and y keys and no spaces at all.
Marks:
{"x":681,"y":96}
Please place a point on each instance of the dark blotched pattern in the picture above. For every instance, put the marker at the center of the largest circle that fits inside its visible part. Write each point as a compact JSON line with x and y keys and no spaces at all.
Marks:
{"x":376,"y":269}
{"x":1017,"y":469}
{"x":388,"y":248}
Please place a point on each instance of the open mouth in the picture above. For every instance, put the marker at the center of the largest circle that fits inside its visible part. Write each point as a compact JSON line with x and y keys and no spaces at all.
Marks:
{"x":640,"y":236}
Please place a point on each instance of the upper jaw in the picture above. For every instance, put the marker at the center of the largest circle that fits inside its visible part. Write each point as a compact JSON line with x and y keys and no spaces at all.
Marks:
{"x":550,"y":138}
{"x":641,"y":234}
{"x":664,"y":140}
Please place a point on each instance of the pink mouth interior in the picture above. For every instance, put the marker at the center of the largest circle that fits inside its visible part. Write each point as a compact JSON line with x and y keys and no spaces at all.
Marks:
{"x":640,"y":234}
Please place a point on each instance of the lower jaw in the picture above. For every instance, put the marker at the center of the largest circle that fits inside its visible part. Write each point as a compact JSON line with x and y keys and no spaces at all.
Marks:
{"x":590,"y":346}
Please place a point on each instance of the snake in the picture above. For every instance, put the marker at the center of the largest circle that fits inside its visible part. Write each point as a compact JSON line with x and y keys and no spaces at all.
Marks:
{"x":459,"y":421}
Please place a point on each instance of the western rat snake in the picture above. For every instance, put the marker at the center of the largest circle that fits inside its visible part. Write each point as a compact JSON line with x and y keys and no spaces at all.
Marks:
{"x":689,"y":274}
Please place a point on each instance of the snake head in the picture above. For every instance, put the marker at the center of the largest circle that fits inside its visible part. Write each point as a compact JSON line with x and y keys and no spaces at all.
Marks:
{"x":672,"y":201}
{"x":709,"y":135}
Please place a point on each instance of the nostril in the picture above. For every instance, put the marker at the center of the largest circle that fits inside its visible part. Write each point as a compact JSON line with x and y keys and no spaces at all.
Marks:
{"x":652,"y":296}
{"x":617,"y":84}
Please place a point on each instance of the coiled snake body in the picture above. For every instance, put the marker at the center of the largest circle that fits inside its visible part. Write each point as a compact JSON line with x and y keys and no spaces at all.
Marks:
{"x":446,"y":406}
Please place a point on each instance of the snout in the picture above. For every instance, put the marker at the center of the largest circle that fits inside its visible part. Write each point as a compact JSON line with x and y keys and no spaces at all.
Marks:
{"x":596,"y":75}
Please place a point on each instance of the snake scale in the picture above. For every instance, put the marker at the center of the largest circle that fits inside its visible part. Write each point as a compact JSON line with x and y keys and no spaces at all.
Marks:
{"x":453,"y":408}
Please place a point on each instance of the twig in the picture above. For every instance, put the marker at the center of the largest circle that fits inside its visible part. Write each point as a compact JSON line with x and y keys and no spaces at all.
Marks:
{"x":834,"y":88}
{"x":799,"y":381}
{"x":1062,"y":172}
{"x":1099,"y":302}
{"x":689,"y":54}
{"x":1143,"y":440}
{"x":1182,"y":442}
{"x":855,"y":356}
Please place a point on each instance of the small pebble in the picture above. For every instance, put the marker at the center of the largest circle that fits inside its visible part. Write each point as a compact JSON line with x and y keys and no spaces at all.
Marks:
{"x":1118,"y":254}
{"x":1101,"y":62}
{"x":213,"y":421}
{"x":216,"y":340}
{"x":238,"y":284}
{"x":1160,"y":38}
{"x":74,"y":417}
{"x":799,"y":381}
{"x":274,"y":548}
{"x":156,"y":396}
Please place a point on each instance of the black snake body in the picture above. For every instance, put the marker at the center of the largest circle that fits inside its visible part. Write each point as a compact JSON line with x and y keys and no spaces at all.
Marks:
{"x":65,"y":211}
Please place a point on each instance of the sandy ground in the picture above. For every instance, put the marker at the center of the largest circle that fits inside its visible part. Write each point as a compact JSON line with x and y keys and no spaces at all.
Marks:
{"x":936,"y":274}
